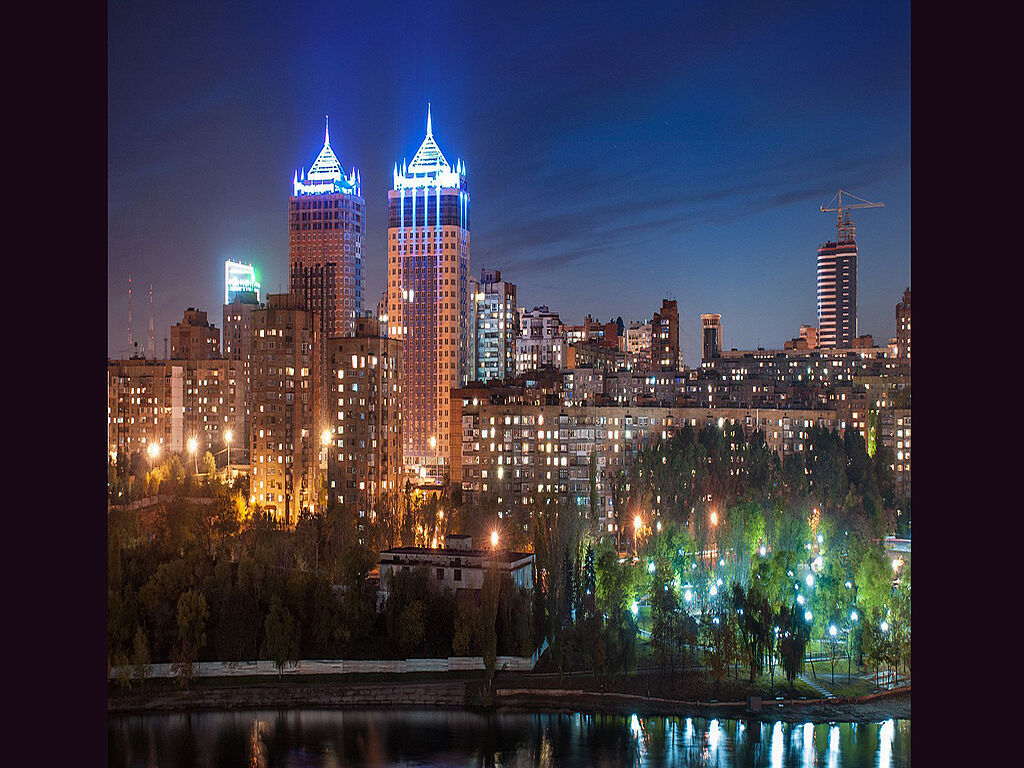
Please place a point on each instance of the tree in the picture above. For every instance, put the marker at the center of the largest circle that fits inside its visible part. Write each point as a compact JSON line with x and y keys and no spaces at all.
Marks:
{"x":411,"y":632}
{"x":719,"y":639}
{"x":141,"y":668}
{"x":664,"y":616}
{"x":466,"y":640}
{"x":192,"y":616}
{"x":795,"y":631}
{"x":282,"y":636}
{"x":488,"y":628}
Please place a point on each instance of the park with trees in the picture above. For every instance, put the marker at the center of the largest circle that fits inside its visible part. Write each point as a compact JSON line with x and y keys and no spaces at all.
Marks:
{"x":732,"y":568}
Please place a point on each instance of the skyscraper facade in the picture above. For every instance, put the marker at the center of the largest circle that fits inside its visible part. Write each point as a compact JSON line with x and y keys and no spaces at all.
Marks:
{"x":287,"y":407}
{"x":665,"y":337}
{"x":194,"y":338}
{"x":711,"y":335}
{"x":428,"y":295}
{"x":326,"y":224}
{"x":495,"y":326}
{"x":837,"y":294}
{"x":903,"y":333}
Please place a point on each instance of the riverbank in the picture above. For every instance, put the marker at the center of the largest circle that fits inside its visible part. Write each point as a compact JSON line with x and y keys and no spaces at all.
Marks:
{"x":467,"y":693}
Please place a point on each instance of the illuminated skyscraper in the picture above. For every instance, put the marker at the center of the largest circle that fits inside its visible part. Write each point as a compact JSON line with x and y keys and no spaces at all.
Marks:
{"x":837,"y":294}
{"x":239,"y":278}
{"x":428,"y":295}
{"x":711,"y":335}
{"x":495,"y":326}
{"x":326,"y":223}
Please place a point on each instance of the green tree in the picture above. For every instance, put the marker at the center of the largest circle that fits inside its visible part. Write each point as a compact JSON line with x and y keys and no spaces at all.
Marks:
{"x":793,"y":636}
{"x":488,"y":628}
{"x":192,"y":616}
{"x":411,"y":632}
{"x":141,"y":667}
{"x":281,"y":642}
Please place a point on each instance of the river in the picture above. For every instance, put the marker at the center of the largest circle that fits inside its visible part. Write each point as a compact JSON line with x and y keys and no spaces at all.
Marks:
{"x":327,"y":738}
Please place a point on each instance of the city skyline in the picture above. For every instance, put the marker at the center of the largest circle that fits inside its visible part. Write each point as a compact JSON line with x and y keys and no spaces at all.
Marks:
{"x":705,"y":175}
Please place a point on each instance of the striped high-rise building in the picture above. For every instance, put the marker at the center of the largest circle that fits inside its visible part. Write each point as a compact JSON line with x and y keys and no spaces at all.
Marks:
{"x":837,"y":294}
{"x":326,"y":223}
{"x":428,"y":296}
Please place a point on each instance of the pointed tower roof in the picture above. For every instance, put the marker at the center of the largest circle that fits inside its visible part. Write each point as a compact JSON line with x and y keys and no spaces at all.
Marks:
{"x":326,"y":166}
{"x":326,"y":174}
{"x":428,"y":157}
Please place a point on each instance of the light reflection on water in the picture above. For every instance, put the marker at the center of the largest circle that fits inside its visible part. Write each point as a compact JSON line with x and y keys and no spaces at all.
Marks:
{"x":329,"y":739}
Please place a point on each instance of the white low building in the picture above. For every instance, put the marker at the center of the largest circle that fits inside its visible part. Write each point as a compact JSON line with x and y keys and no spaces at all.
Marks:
{"x":456,"y":566}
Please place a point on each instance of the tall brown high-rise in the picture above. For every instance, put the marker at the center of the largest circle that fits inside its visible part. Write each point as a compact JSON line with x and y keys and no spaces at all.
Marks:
{"x":665,"y":337}
{"x":287,"y":407}
{"x":326,"y":223}
{"x":428,"y":296}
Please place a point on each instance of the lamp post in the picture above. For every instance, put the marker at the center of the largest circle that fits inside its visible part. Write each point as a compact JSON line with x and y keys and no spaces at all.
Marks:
{"x":325,"y":441}
{"x":227,"y":441}
{"x":638,"y":523}
{"x":193,"y":448}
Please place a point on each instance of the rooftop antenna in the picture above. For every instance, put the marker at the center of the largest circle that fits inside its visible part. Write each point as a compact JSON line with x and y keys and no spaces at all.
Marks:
{"x":129,"y":311}
{"x":151,"y":345}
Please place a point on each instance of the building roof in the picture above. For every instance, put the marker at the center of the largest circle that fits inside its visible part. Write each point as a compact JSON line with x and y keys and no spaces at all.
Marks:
{"x":502,"y":554}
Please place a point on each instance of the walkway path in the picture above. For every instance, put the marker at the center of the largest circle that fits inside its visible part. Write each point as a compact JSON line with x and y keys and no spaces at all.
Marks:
{"x":823,"y":691}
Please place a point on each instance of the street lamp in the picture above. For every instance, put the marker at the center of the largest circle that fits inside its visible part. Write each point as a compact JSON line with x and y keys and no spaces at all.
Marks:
{"x":154,"y":452}
{"x":638,"y":523}
{"x":494,"y":539}
{"x":193,"y":448}
{"x":227,"y":442}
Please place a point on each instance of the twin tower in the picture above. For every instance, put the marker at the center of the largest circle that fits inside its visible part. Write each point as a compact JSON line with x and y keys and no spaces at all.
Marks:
{"x":427,"y":303}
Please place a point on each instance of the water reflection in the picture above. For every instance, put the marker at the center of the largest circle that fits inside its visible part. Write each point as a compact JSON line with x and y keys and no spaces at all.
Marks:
{"x":452,"y":738}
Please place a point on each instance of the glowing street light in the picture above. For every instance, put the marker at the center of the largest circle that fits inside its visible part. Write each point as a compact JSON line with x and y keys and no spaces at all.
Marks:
{"x":325,"y":437}
{"x":494,"y":539}
{"x":853,"y":616}
{"x":227,"y":441}
{"x":154,"y":451}
{"x":714,"y":518}
{"x":885,"y":626}
{"x":832,"y":630}
{"x":808,"y":616}
{"x":810,"y":580}
{"x":193,"y":448}
{"x":638,"y":523}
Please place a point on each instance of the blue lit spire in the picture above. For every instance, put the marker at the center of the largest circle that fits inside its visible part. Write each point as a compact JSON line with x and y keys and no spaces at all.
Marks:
{"x":325,"y":175}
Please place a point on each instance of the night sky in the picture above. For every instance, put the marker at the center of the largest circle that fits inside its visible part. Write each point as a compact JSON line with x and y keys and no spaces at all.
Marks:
{"x":617,"y":153}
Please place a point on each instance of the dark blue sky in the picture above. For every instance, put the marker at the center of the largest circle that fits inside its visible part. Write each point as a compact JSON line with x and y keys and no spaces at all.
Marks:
{"x":617,"y":153}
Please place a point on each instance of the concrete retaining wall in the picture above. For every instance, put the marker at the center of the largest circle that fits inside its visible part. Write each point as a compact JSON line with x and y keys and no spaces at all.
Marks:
{"x":344,"y":666}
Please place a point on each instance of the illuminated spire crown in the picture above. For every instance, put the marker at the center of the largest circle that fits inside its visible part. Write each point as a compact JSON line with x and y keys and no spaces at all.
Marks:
{"x":326,"y":174}
{"x":428,"y":157}
{"x":429,"y":167}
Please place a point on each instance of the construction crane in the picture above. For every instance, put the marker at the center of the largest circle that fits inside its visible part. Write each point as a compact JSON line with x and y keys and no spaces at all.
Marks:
{"x":844,"y":224}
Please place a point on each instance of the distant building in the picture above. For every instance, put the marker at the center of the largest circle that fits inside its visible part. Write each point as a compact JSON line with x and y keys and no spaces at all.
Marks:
{"x":665,"y":337}
{"x":145,"y":404}
{"x":167,"y":402}
{"x":638,"y":345}
{"x":194,"y":338}
{"x":495,"y":326}
{"x":540,"y":343}
{"x":239,"y":278}
{"x":807,"y":339}
{"x":456,"y":566}
{"x":364,"y":459}
{"x":287,"y":415}
{"x":428,"y":294}
{"x":238,"y":345}
{"x":326,"y":227}
{"x":837,"y":294}
{"x":711,"y":335}
{"x":903,"y":332}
